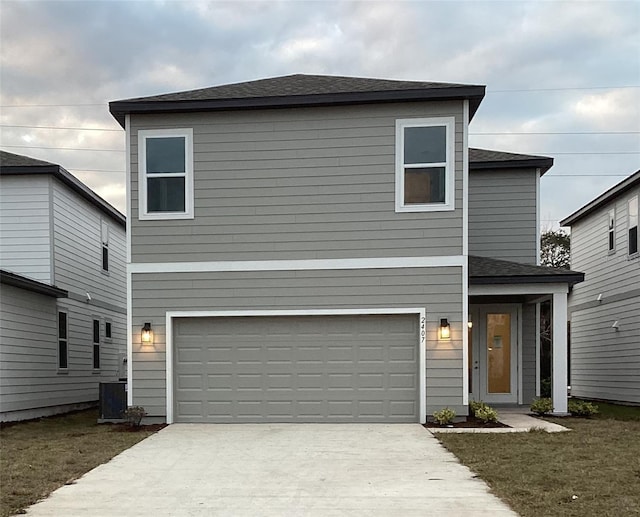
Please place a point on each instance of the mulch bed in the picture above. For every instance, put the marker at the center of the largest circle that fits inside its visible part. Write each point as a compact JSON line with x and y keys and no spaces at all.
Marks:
{"x":472,"y":422}
{"x":126,"y":428}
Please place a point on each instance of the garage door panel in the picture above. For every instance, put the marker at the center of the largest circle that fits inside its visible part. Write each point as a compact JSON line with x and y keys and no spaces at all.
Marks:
{"x":296,"y":369}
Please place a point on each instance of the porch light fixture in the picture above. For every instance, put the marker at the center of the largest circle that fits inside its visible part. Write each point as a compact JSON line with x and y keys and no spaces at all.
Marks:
{"x":470,"y":324}
{"x":146,"y":337}
{"x":445,"y":329}
{"x":615,"y":326}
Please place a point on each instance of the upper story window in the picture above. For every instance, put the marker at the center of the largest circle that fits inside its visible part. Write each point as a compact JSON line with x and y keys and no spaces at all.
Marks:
{"x":105,"y":245}
{"x":425,"y":154}
{"x":165,"y":174}
{"x":612,"y":230}
{"x":633,"y":225}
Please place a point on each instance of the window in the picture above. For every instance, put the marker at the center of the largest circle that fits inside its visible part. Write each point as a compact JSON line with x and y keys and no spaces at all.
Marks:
{"x":425,"y":164}
{"x":166,"y":174}
{"x":105,"y":245}
{"x":107,"y":330}
{"x":63,"y":342}
{"x":96,"y":344}
{"x":612,"y":230}
{"x":633,"y":225}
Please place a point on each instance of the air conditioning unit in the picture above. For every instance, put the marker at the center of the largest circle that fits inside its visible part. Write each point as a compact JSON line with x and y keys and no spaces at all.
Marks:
{"x":113,"y":400}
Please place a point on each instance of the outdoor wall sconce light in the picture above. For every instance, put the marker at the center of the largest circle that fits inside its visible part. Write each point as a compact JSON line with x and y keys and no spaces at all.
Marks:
{"x":445,"y":329}
{"x":615,"y":326}
{"x":470,"y":324}
{"x":146,"y":338}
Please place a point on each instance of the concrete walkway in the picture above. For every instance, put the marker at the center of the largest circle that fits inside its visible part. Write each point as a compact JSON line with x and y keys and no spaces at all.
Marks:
{"x":279,"y":469}
{"x":517,"y":420}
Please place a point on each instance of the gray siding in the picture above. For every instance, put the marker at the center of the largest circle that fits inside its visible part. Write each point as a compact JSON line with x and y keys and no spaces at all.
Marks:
{"x":502,"y":215}
{"x":296,"y":184}
{"x":439,"y":290}
{"x":605,"y":273}
{"x":29,"y":376}
{"x":25,"y":226}
{"x":605,"y":364}
{"x":528,"y":350}
{"x":78,"y":249}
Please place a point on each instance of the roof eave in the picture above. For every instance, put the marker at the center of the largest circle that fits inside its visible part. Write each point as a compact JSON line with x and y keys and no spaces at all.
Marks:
{"x":70,"y":180}
{"x":16,"y":280}
{"x":602,"y":199}
{"x":544,"y":164}
{"x":569,"y":278}
{"x":474,"y":94}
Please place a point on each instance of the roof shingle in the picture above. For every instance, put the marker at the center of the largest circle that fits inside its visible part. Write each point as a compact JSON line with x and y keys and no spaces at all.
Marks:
{"x":484,"y":270}
{"x":296,"y":91}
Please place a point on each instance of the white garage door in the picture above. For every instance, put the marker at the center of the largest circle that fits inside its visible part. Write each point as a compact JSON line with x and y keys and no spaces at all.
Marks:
{"x":296,"y":369}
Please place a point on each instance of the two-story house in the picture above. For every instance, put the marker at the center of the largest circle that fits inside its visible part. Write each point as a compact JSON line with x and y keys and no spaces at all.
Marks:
{"x":316,"y":248}
{"x":63,"y":292}
{"x":605,"y":309}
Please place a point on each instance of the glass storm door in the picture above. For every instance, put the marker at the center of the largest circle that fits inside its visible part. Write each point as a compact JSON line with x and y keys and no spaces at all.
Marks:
{"x":494,"y":354}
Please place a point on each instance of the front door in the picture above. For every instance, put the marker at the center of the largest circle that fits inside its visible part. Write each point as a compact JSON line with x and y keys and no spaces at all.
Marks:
{"x":493,"y":353}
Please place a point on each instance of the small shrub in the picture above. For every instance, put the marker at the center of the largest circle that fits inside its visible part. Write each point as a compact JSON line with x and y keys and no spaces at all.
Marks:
{"x":134,"y":415}
{"x":582,"y":408}
{"x":486,"y":414}
{"x":444,"y":416}
{"x":542,"y":406}
{"x":475,"y":406}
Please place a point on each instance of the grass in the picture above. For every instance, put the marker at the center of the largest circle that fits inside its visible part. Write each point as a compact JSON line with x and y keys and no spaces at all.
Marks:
{"x":594,"y":470}
{"x":40,"y":456}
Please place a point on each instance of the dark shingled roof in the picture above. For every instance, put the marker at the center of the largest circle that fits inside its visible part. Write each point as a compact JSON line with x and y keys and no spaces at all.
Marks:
{"x":483,"y":270}
{"x":487,"y":159}
{"x":295,"y":91}
{"x":17,"y":165}
{"x":603,"y":199}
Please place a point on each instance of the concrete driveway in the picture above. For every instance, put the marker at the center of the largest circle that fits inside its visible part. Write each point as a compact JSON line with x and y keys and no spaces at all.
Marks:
{"x":279,"y":469}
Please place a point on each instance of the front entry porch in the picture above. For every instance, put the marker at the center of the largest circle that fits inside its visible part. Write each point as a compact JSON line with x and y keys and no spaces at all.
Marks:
{"x":503,"y":345}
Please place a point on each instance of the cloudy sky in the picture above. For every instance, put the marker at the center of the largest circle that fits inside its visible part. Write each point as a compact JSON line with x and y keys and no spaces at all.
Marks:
{"x":563,"y":77}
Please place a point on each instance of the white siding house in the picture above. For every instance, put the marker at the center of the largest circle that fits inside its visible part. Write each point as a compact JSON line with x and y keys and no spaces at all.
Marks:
{"x":57,"y":345}
{"x":605,"y":309}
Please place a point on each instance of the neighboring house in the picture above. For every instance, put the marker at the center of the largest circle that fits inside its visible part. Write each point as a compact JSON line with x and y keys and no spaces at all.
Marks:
{"x":311,"y":249}
{"x":605,"y":309}
{"x":63,"y":292}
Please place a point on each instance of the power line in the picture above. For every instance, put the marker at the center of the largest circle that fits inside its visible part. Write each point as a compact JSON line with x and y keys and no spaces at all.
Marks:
{"x":49,"y":105}
{"x":563,"y":133}
{"x":515,"y":90}
{"x":555,"y":153}
{"x":564,"y":89}
{"x":64,"y":148}
{"x":505,"y":133}
{"x":65,"y":128}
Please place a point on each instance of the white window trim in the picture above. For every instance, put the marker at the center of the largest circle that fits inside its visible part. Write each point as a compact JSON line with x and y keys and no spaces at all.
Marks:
{"x":421,"y":344}
{"x":187,"y":134}
{"x":449,"y":165}
{"x":629,"y":226}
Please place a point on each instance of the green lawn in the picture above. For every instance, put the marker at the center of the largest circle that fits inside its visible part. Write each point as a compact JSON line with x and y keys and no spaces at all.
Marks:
{"x":594,"y":470}
{"x":39,"y":456}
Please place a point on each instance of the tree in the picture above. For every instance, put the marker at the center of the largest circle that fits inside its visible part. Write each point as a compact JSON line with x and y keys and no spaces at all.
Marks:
{"x":555,"y":249}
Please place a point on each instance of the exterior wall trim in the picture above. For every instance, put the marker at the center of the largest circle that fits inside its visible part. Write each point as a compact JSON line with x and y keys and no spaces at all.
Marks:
{"x":465,"y":252}
{"x":127,"y":131}
{"x":296,"y":265}
{"x":422,"y":340}
{"x":522,"y":289}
